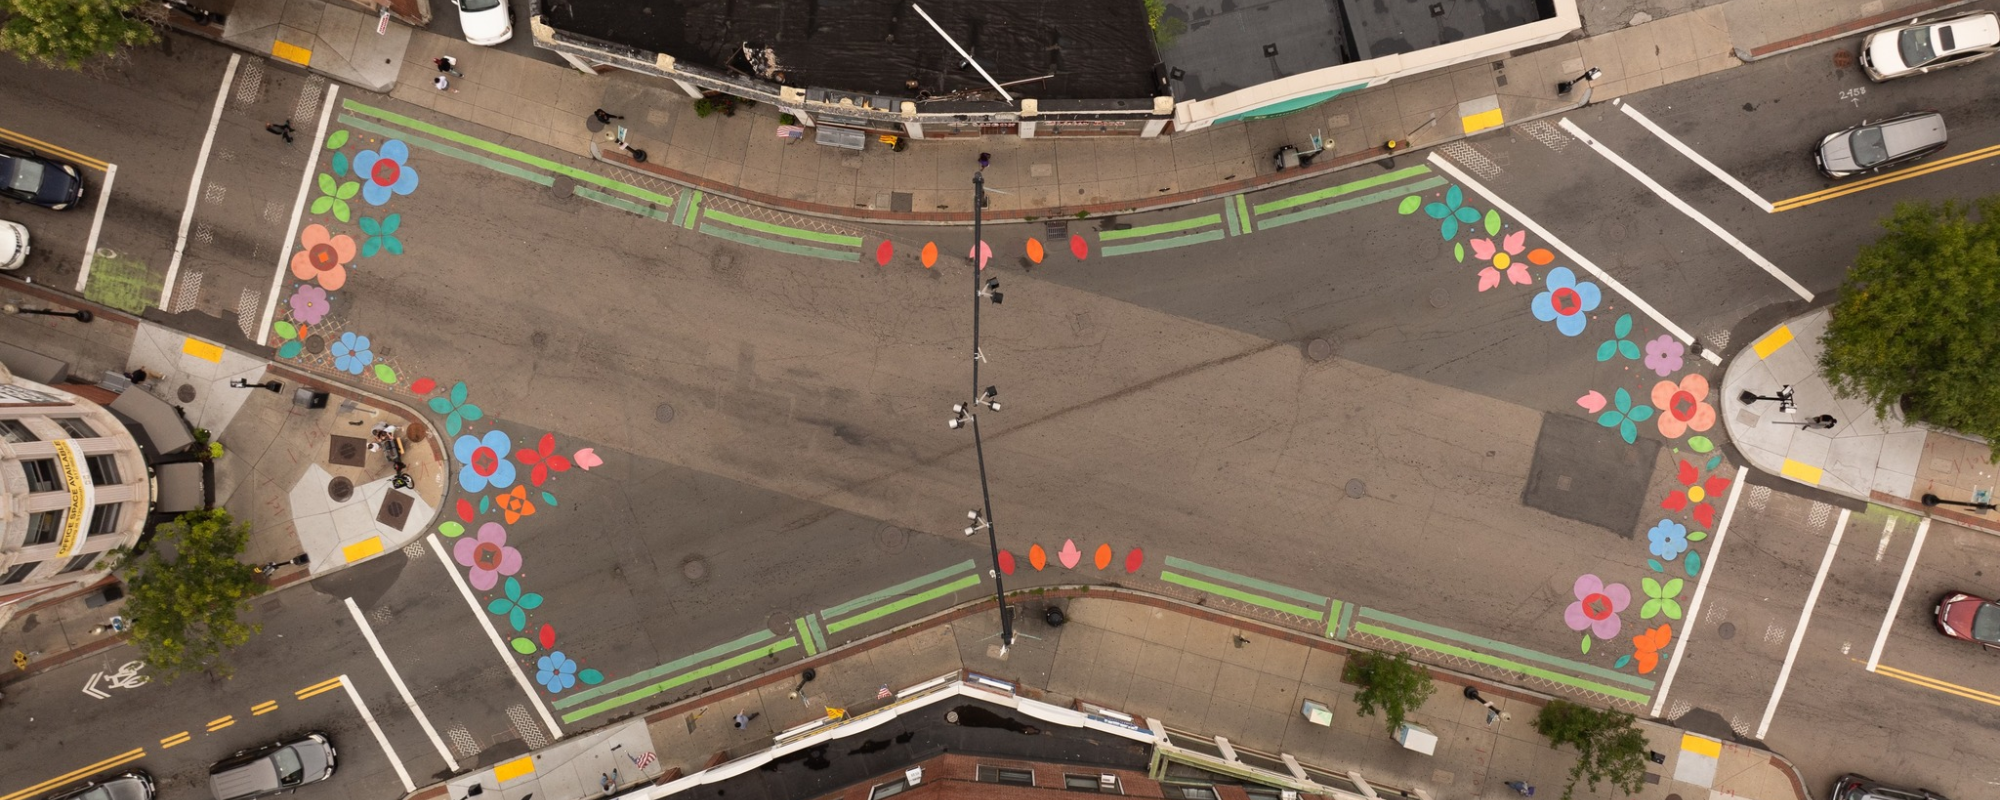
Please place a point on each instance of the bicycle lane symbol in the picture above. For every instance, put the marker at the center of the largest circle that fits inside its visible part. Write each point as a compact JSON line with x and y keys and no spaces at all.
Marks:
{"x":127,"y":677}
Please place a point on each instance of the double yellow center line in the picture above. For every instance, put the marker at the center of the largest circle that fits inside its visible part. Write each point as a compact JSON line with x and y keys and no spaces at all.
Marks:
{"x":1885,"y":179}
{"x":37,"y":144}
{"x":121,"y":759}
{"x":1911,"y":677}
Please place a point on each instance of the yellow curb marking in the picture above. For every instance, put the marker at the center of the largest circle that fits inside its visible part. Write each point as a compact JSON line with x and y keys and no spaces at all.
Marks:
{"x":293,"y":53}
{"x":362,"y":549}
{"x":1482,"y":121}
{"x":202,"y":350}
{"x":1773,"y":341}
{"x":524,"y":765}
{"x":1802,"y":472}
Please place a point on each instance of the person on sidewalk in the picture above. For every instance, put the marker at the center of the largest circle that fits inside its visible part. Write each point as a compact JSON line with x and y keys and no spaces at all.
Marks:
{"x":604,"y":117}
{"x":443,"y":84}
{"x":282,"y":130}
{"x":743,"y":719}
{"x":447,"y":64}
{"x":985,"y":159}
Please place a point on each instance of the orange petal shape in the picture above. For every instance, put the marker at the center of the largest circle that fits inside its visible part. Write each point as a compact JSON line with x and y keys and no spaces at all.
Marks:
{"x":1103,"y":557}
{"x":1035,"y":250}
{"x":1540,"y":257}
{"x":1069,"y":554}
{"x":1037,"y":558}
{"x":930,"y":254}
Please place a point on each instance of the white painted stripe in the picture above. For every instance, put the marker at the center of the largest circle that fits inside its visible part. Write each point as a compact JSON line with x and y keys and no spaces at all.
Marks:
{"x":1696,"y":157}
{"x":348,"y":684}
{"x":1888,"y":532}
{"x":1805,"y":618}
{"x":96,"y":227}
{"x":506,"y":656}
{"x":1700,"y":589}
{"x":1697,"y":216}
{"x":298,"y":210}
{"x":1896,"y":601}
{"x":194,"y":183}
{"x":368,"y":632}
{"x":1451,"y":169}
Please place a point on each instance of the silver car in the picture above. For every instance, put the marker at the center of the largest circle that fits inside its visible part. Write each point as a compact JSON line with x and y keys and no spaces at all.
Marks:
{"x":278,"y":767}
{"x":1856,"y":787}
{"x":133,"y":785}
{"x":1930,"y":45}
{"x":1879,"y":145}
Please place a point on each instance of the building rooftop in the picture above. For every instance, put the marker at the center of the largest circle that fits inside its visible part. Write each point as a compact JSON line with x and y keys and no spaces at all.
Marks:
{"x":1228,"y":45}
{"x":1091,"y":50}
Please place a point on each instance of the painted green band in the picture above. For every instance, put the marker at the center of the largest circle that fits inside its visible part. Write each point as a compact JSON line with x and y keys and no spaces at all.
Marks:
{"x":669,"y":668}
{"x":1243,"y":211}
{"x":1503,"y":647}
{"x":1502,"y":663}
{"x":1163,"y":244}
{"x":819,"y":636}
{"x":694,"y":211}
{"x":1345,"y":188}
{"x":1229,"y":216}
{"x":781,"y":230}
{"x":447,"y":150}
{"x":1239,"y":594}
{"x":1245,"y":580}
{"x":1164,"y":227}
{"x":773,"y":244}
{"x":877,"y":612}
{"x":621,"y":203}
{"x":1349,"y":204}
{"x":805,"y":636}
{"x":902,"y":588}
{"x":1346,"y":623}
{"x":1332,"y":618}
{"x":504,"y":152}
{"x":685,"y":677}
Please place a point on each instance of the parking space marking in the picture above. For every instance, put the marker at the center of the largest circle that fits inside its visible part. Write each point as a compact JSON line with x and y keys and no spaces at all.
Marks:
{"x":1684,"y":208}
{"x":396,"y":678}
{"x":36,"y":144}
{"x":1885,"y":179}
{"x":1896,"y":600}
{"x":96,"y":226}
{"x":402,"y":773}
{"x":1685,"y":150}
{"x":194,"y":183}
{"x":1701,"y":586}
{"x":506,"y":655}
{"x":1942,"y":686}
{"x":298,"y":211}
{"x":1452,"y":169}
{"x":1805,"y":618}
{"x":121,"y":759}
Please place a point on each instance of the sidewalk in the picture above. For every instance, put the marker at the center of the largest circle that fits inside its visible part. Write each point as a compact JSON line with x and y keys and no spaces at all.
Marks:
{"x":1887,"y":461}
{"x":741,"y":157}
{"x":283,"y":464}
{"x":1165,"y":665}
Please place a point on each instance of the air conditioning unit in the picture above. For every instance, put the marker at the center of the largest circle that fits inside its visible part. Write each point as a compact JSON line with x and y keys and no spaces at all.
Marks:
{"x":914,"y":775}
{"x":1107,"y":781}
{"x":1288,"y":794}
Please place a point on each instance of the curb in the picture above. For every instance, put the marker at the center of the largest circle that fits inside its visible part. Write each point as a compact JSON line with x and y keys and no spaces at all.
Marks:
{"x":1803,"y":41}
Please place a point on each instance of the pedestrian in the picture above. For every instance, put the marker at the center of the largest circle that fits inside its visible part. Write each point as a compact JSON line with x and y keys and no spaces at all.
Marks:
{"x":137,"y":377}
{"x":443,"y":84}
{"x":743,"y":719}
{"x":447,"y":64}
{"x":1522,"y":788}
{"x":282,"y":130}
{"x":985,"y":159}
{"x":604,"y":117}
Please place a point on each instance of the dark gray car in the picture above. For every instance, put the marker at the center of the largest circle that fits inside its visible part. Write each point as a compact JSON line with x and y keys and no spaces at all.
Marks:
{"x":1879,"y":145}
{"x":134,"y":785}
{"x":278,"y":767}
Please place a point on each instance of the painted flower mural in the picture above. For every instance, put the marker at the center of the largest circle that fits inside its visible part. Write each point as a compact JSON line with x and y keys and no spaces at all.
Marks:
{"x":456,"y":409}
{"x":555,"y":672}
{"x":1566,"y":301}
{"x":1452,"y":212}
{"x":1646,"y":647}
{"x":488,"y":556}
{"x":1624,"y":417}
{"x":386,"y":172}
{"x":1695,"y":493}
{"x":308,"y":304}
{"x":484,"y":460}
{"x":1664,"y":355}
{"x":351,"y":353}
{"x":1596,"y":608}
{"x":1501,"y":260}
{"x":543,"y":459}
{"x":1668,"y":539}
{"x":324,"y":258}
{"x":514,"y":505}
{"x":1686,"y":405}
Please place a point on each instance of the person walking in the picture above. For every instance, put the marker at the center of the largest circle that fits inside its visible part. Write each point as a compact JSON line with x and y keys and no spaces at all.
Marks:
{"x":743,"y":719}
{"x":282,"y":130}
{"x":985,"y":159}
{"x":447,"y":64}
{"x":604,"y":117}
{"x":443,"y":84}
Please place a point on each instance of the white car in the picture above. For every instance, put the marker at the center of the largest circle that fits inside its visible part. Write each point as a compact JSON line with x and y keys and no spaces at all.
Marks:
{"x":13,"y":244}
{"x":486,"y":22}
{"x":1930,"y":45}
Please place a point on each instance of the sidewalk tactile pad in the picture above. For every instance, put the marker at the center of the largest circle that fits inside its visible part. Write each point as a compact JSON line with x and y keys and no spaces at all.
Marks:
{"x":525,"y":725}
{"x":347,"y":451}
{"x":414,"y":549}
{"x":462,"y":741}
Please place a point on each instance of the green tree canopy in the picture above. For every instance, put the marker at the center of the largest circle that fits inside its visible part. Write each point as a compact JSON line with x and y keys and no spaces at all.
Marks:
{"x":1917,"y":325}
{"x":1392,"y":685}
{"x":185,"y":592}
{"x":66,"y":33}
{"x":1608,"y":746}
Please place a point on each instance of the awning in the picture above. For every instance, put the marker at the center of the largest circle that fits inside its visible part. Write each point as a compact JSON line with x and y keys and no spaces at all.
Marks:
{"x":177,"y":487}
{"x":28,"y":364}
{"x":161,"y":425}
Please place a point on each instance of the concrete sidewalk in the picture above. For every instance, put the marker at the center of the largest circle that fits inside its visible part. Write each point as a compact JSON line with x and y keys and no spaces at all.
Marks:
{"x":1888,"y":461}
{"x":1157,"y":660}
{"x":742,"y":157}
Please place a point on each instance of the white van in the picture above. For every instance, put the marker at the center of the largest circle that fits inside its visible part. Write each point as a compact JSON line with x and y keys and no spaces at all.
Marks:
{"x":13,"y":245}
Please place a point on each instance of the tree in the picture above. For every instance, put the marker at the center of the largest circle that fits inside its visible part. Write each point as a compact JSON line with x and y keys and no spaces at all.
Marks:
{"x":66,"y":33}
{"x":1917,"y":325}
{"x":1392,"y":685}
{"x":1609,"y":747}
{"x":185,"y":592}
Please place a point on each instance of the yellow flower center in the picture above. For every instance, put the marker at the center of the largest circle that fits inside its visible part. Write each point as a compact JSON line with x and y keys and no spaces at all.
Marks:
{"x":1501,"y":260}
{"x":1695,"y":494}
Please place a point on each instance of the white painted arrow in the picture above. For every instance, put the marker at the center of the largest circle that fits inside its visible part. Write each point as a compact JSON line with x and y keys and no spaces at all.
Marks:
{"x":90,"y":687}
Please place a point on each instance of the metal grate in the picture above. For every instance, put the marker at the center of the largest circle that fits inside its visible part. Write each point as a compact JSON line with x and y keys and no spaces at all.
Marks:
{"x":1546,"y":134}
{"x":1817,"y":516}
{"x":215,"y":193}
{"x":305,"y":113}
{"x":250,"y":82}
{"x":526,"y":727}
{"x":1470,"y":158}
{"x":186,"y":292}
{"x":247,"y":311}
{"x":1760,"y":496}
{"x":462,"y":741}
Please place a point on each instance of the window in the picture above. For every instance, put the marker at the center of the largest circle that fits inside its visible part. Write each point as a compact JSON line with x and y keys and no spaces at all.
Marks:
{"x":18,"y":572}
{"x":13,"y":432}
{"x":1262,"y":792}
{"x":76,"y":427}
{"x":43,"y":526}
{"x":103,"y":518}
{"x":42,"y":475}
{"x":80,"y":562}
{"x":1186,"y":792}
{"x":1091,"y":783}
{"x":881,"y":790}
{"x":1017,"y":777}
{"x":103,"y":470}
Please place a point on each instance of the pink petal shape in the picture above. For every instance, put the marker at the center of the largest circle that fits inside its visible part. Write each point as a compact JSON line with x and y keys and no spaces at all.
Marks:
{"x":1488,"y":278}
{"x":1620,"y":596}
{"x":493,"y":533}
{"x":1517,"y":273}
{"x":586,"y":458}
{"x":1586,"y":585}
{"x":1482,"y":249}
{"x":1515,"y":241}
{"x":483,"y":579}
{"x":1069,"y":555}
{"x":510,"y":561}
{"x":1704,"y":417}
{"x":1575,"y":618}
{"x":1592,"y":402}
{"x":465,"y":551}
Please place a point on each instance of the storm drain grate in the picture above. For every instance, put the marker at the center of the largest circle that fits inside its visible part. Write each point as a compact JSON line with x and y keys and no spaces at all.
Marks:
{"x":462,"y":741}
{"x":525,"y":726}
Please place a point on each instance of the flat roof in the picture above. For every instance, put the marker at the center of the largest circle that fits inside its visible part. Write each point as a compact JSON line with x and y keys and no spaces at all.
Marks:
{"x":1221,"y":46}
{"x":1092,"y":50}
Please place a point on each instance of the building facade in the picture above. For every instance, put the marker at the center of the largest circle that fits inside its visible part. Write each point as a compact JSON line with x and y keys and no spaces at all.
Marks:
{"x":73,"y":485}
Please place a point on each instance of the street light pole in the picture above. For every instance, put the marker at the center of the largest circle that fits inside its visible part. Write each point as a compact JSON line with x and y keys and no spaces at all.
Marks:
{"x":1934,"y":500}
{"x":979,"y":446}
{"x":80,"y":315}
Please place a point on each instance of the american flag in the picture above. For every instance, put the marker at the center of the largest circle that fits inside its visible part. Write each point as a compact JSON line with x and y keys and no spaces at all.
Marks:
{"x":645,"y":760}
{"x":883,"y":693}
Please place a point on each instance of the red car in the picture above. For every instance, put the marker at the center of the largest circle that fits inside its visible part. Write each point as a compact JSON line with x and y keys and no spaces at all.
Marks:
{"x":1962,"y":616}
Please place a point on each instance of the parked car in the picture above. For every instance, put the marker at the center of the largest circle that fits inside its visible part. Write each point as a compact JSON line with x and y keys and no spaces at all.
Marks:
{"x":485,"y":22}
{"x":1856,"y":787}
{"x":28,"y":177}
{"x":1879,"y":145}
{"x":1974,"y":619}
{"x":1932,"y":45}
{"x":13,"y":245}
{"x":134,"y":785}
{"x":278,"y":767}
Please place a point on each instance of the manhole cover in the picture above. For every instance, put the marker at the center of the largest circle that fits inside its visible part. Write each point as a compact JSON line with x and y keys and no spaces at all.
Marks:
{"x":1438,"y":298}
{"x":1726,"y":630}
{"x":1843,"y":59}
{"x":315,"y":344}
{"x":340,"y":489}
{"x":1319,"y":349}
{"x":664,"y":412}
{"x":1356,"y":489}
{"x":415,"y":432}
{"x":891,"y":539}
{"x":185,"y":393}
{"x":695,"y":568}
